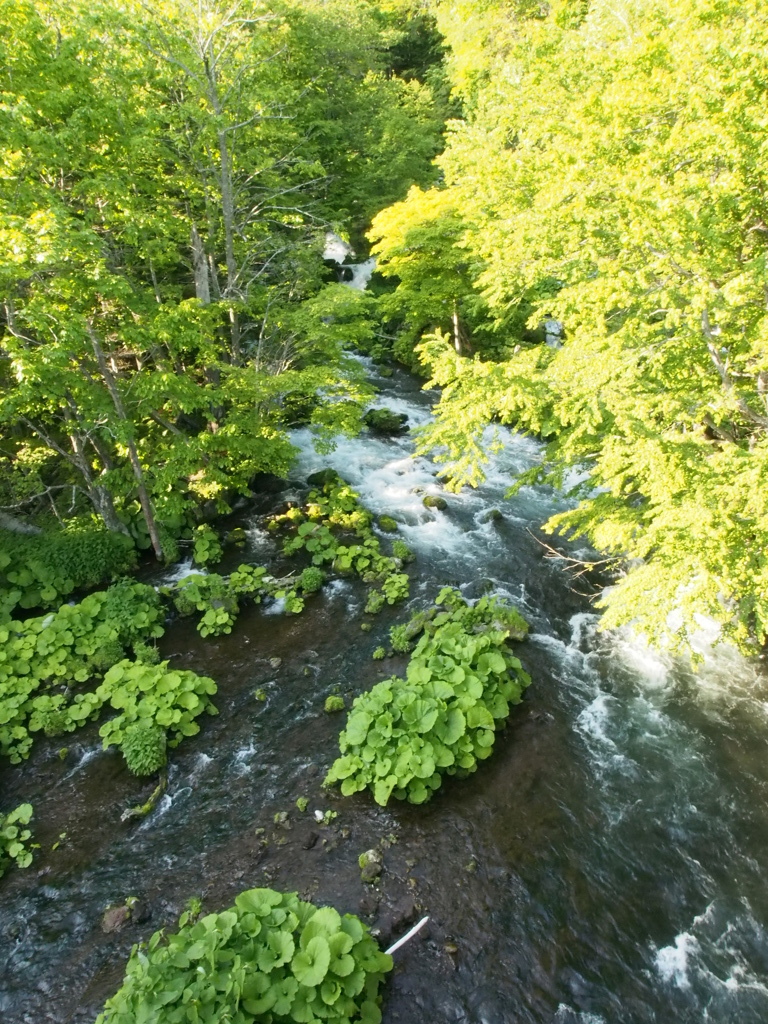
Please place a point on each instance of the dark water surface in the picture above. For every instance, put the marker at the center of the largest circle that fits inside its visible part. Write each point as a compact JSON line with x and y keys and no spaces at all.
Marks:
{"x":606,"y":866}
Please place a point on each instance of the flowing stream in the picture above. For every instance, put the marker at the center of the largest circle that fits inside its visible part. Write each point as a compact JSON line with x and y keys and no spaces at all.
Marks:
{"x":605,"y":866}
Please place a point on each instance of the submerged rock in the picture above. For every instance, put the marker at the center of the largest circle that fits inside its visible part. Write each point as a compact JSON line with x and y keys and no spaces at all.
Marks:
{"x":323,"y":478}
{"x":493,"y":515}
{"x":371,"y":865}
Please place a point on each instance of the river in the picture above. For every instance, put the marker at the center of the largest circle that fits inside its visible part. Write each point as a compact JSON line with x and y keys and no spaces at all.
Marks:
{"x":606,"y":866}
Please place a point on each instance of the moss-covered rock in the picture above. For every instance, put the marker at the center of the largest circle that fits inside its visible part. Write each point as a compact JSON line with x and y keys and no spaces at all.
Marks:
{"x":387,"y":524}
{"x":434,"y":501}
{"x":324,"y":478}
{"x":386,"y":422}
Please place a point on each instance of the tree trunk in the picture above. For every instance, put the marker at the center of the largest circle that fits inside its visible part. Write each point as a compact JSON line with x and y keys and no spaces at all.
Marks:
{"x":138,"y":472}
{"x":98,"y":494}
{"x":200,"y":267}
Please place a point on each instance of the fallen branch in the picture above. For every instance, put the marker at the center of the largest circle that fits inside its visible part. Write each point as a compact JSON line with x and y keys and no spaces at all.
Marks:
{"x":142,"y":810}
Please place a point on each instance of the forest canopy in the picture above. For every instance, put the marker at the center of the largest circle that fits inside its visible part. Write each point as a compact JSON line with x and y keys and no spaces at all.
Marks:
{"x":608,"y":183}
{"x":169,"y":173}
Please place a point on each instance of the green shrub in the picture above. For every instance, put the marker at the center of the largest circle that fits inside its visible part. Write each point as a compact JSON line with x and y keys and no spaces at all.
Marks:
{"x":400,"y":638}
{"x":147,"y":653}
{"x":143,"y":748}
{"x":269,"y":958}
{"x":402,"y":735}
{"x":375,"y":602}
{"x":402,"y":552}
{"x":311,"y":579}
{"x":14,"y":839}
{"x":379,"y":654}
{"x":395,"y":587}
{"x":40,"y":571}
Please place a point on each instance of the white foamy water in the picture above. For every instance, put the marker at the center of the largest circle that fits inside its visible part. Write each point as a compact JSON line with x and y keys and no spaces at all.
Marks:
{"x":672,"y":961}
{"x":180,"y":571}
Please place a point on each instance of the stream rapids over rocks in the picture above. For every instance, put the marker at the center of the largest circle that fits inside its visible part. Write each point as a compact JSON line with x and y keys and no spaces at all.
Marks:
{"x":606,"y":865}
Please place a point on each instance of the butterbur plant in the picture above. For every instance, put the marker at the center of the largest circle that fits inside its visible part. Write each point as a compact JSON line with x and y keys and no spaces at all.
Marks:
{"x":404,"y":734}
{"x":206,"y":546}
{"x":46,"y":661}
{"x":14,"y":838}
{"x":271,"y":958}
{"x":152,"y":697}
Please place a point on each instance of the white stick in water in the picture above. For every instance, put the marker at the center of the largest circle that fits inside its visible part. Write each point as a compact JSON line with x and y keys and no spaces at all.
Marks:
{"x":408,"y":935}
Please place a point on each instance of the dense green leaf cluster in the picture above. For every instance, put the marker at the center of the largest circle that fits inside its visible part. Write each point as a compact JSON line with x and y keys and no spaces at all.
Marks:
{"x":270,"y":959}
{"x":143,"y":746}
{"x":39,"y":571}
{"x":14,"y":838}
{"x":217,"y":597}
{"x":206,"y":546}
{"x":609,"y":181}
{"x":402,"y":735}
{"x":151,"y":698}
{"x":44,"y":661}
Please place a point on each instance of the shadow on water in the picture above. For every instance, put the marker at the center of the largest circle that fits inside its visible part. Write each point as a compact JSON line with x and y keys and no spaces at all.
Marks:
{"x":605,"y":865}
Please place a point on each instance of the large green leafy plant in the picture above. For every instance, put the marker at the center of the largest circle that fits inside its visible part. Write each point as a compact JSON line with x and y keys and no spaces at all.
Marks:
{"x":402,"y":735}
{"x":14,"y":838}
{"x":46,"y":660}
{"x":270,"y":958}
{"x":151,"y":699}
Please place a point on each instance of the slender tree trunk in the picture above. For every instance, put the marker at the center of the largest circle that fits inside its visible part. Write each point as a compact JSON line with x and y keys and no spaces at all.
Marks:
{"x":98,"y":494}
{"x":460,"y":340}
{"x":200,"y":268}
{"x":138,"y":472}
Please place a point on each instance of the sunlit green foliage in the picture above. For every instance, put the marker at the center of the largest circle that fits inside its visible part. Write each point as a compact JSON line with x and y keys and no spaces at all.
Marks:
{"x":143,"y":746}
{"x":168,"y":175}
{"x":320,"y":528}
{"x":206,"y":546}
{"x":271,"y":957}
{"x":149,"y":698}
{"x":402,"y":735}
{"x":611,"y":175}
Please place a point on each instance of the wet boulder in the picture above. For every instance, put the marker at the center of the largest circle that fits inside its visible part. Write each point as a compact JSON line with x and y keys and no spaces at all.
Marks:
{"x":115,"y":917}
{"x":324,"y":478}
{"x":493,"y":515}
{"x":435,"y":501}
{"x":386,"y":422}
{"x":371,"y":865}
